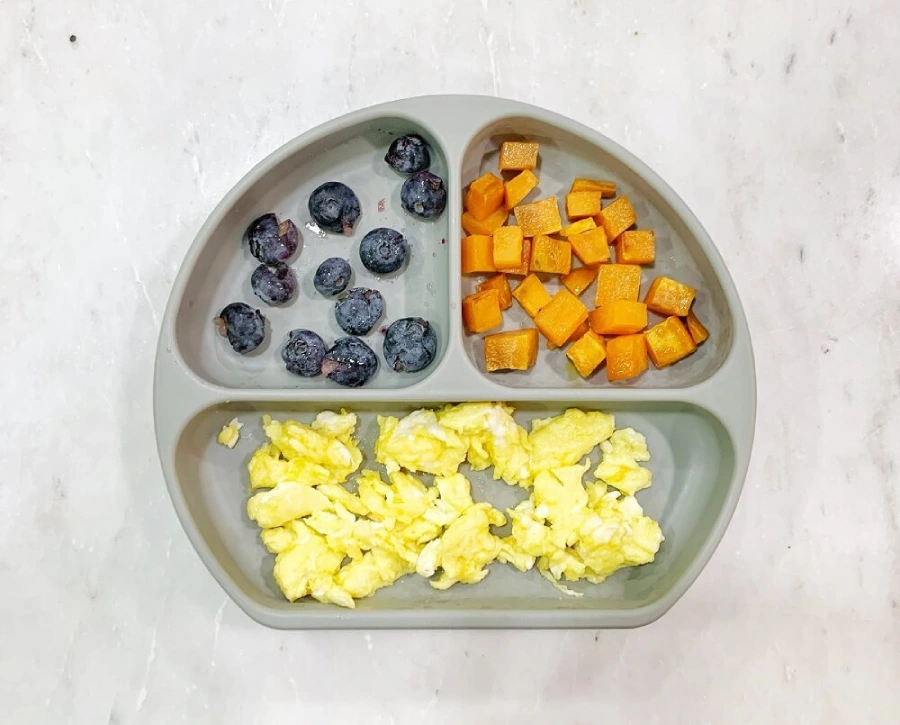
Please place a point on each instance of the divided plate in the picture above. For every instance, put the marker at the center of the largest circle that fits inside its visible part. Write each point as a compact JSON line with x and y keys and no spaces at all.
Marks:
{"x":698,"y":415}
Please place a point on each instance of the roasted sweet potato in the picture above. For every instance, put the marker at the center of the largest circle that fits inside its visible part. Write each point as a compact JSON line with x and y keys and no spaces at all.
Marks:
{"x":539,"y":217}
{"x":581,"y":204}
{"x":560,"y":317}
{"x":617,"y":217}
{"x":669,"y":297}
{"x":500,"y":283}
{"x":582,"y":225}
{"x":626,"y":357}
{"x":551,"y":256}
{"x":579,"y":279}
{"x":518,"y":155}
{"x":619,"y":317}
{"x":481,"y":311}
{"x":487,"y":225}
{"x":513,"y":350}
{"x":477,"y":254}
{"x":485,"y":196}
{"x":522,"y":269}
{"x":618,"y":282}
{"x":668,"y":342}
{"x":591,"y":246}
{"x":698,"y":332}
{"x":531,"y":294}
{"x":587,"y":353}
{"x":636,"y":247}
{"x":607,"y":189}
{"x":520,"y":186}
{"x":508,"y":244}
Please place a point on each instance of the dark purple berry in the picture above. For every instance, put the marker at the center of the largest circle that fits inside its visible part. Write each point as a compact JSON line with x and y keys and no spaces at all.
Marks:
{"x":350,"y":362}
{"x":274,"y":284}
{"x":244,"y":327}
{"x":332,"y":276}
{"x":334,"y":207}
{"x":358,"y":312}
{"x":271,"y":242}
{"x":408,"y":154}
{"x":409,"y":345}
{"x":423,"y":195}
{"x":303,"y":353}
{"x":383,"y":250}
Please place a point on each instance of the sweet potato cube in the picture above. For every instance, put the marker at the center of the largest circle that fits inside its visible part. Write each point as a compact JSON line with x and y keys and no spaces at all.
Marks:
{"x":587,"y":353}
{"x":626,"y":357}
{"x":618,"y":282}
{"x":518,"y":187}
{"x":617,"y":217}
{"x":607,"y":189}
{"x":539,"y":217}
{"x":668,"y":297}
{"x":579,"y":331}
{"x":578,"y":280}
{"x":582,"y":225}
{"x":591,"y":246}
{"x":508,"y":244}
{"x":560,"y":317}
{"x":522,"y":269}
{"x":668,"y":342}
{"x":485,"y":196}
{"x":580,"y":204}
{"x":636,"y":247}
{"x":619,"y":317}
{"x":531,"y":294}
{"x":487,"y":225}
{"x":513,"y":350}
{"x":552,"y":256}
{"x":518,"y":155}
{"x":477,"y":254}
{"x":481,"y":311}
{"x":501,"y":284}
{"x":698,"y":332}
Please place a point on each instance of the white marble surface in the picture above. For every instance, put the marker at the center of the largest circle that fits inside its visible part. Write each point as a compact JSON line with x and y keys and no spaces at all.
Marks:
{"x":778,"y":124}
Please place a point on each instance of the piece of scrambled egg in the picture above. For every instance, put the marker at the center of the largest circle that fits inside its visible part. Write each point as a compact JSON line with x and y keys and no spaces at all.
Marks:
{"x":338,"y":545}
{"x":230,"y":434}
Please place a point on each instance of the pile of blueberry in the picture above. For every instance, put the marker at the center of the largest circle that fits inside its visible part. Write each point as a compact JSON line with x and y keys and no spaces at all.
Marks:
{"x":410,"y":343}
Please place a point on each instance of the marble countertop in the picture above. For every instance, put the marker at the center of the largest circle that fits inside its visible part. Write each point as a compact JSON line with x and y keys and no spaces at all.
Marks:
{"x":776,"y":122}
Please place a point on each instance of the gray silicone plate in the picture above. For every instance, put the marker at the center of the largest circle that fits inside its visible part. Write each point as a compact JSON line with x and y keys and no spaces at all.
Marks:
{"x":698,"y":416}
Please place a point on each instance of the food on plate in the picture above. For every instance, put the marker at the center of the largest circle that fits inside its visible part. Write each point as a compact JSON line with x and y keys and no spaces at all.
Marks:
{"x":350,"y":362}
{"x":619,"y":317}
{"x":423,"y":195}
{"x":244,"y":326}
{"x":518,"y":155}
{"x":617,"y":216}
{"x":669,"y":297}
{"x":500,"y":283}
{"x":579,"y":279}
{"x":513,"y":350}
{"x":607,"y":189}
{"x":581,"y":204}
{"x":303,"y":353}
{"x":522,"y":269}
{"x":575,"y":228}
{"x":410,"y":345}
{"x":518,"y":187}
{"x":481,"y":311}
{"x":485,"y":226}
{"x":617,"y":282}
{"x":698,"y":332}
{"x":550,"y":256}
{"x":332,"y":276}
{"x":560,"y":317}
{"x":408,"y":154}
{"x":668,"y":342}
{"x":637,"y":246}
{"x":590,"y":246}
{"x":419,"y":444}
{"x":477,"y":253}
{"x":270,"y":241}
{"x":626,"y":357}
{"x":619,"y":467}
{"x":274,"y":284}
{"x":383,"y":250}
{"x":359,"y":311}
{"x":230,"y":433}
{"x":485,"y":196}
{"x":587,"y":352}
{"x":508,"y":244}
{"x":531,"y":294}
{"x":539,"y":217}
{"x":334,"y":207}
{"x":576,"y":335}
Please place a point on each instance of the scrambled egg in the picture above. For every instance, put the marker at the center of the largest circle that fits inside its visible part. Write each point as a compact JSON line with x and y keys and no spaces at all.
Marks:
{"x":230,"y":434}
{"x":338,"y":545}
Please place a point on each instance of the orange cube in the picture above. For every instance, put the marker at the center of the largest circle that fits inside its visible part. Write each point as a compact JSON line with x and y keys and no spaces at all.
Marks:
{"x":591,"y":246}
{"x":636,"y":247}
{"x":580,"y":204}
{"x":477,"y":254}
{"x":513,"y":350}
{"x":508,"y":243}
{"x":579,"y":331}
{"x":549,"y":255}
{"x":485,"y":195}
{"x":619,"y":317}
{"x":518,"y":155}
{"x":481,"y":311}
{"x":668,"y":297}
{"x":587,"y":353}
{"x":539,"y":217}
{"x":582,"y":225}
{"x":487,"y":225}
{"x":607,"y":189}
{"x":698,"y":332}
{"x":522,"y":269}
{"x":518,"y":187}
{"x":618,"y":282}
{"x":579,"y":279}
{"x":626,"y":357}
{"x":501,"y":284}
{"x":617,"y":217}
{"x":531,"y":294}
{"x":668,"y":342}
{"x":560,"y":317}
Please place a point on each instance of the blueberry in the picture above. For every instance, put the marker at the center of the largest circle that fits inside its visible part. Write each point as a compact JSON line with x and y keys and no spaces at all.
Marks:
{"x":383,"y":250}
{"x":332,"y":276}
{"x":409,"y":345}
{"x":274,"y":284}
{"x":303,"y":353}
{"x":271,"y":242}
{"x":334,"y":207}
{"x":350,"y":362}
{"x":423,"y":195}
{"x":358,"y":312}
{"x":244,"y":326}
{"x":408,"y":154}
